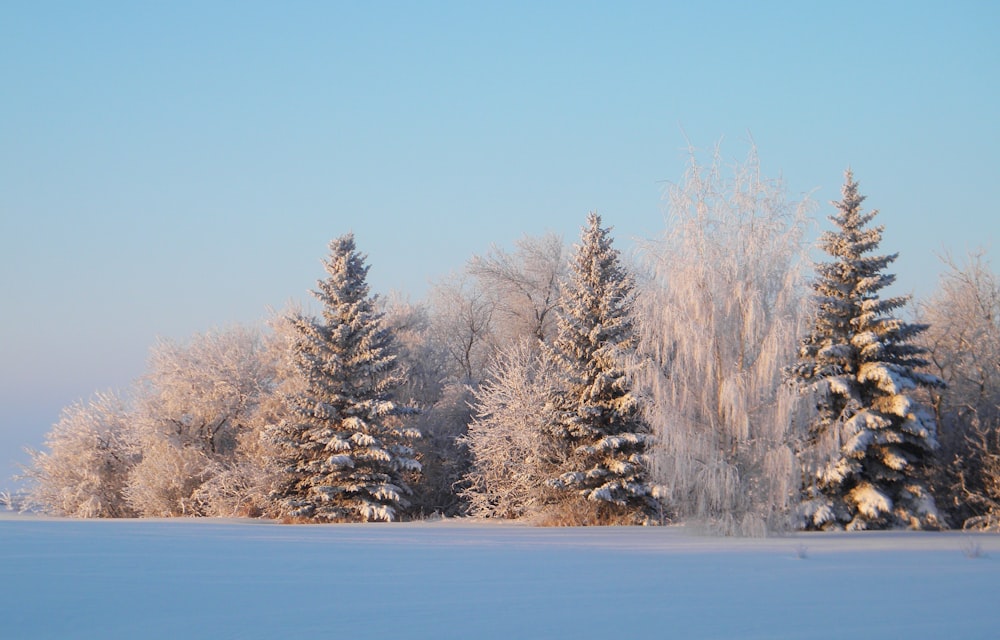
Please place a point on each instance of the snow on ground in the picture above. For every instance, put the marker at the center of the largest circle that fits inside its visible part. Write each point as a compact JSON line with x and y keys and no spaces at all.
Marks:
{"x":460,"y":579}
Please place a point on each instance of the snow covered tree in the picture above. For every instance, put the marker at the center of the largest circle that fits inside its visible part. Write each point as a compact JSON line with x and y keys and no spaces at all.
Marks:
{"x":344,"y":450}
{"x":963,"y":346}
{"x":718,"y":319}
{"x":512,"y":457}
{"x":90,"y":455}
{"x":870,"y":440}
{"x":171,"y":446}
{"x":597,"y":421}
{"x":195,"y":402}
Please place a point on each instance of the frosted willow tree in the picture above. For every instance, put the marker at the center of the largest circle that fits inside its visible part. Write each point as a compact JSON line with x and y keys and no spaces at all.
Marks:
{"x":597,"y":420}
{"x":870,"y":440}
{"x":344,"y":451}
{"x":718,"y":320}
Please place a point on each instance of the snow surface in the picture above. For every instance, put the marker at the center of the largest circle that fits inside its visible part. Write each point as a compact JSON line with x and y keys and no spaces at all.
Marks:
{"x":464,"y":579}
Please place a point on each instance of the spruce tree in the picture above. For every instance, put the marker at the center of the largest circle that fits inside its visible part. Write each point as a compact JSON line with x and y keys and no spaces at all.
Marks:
{"x":870,"y":440}
{"x":598,"y":423}
{"x":343,"y":450}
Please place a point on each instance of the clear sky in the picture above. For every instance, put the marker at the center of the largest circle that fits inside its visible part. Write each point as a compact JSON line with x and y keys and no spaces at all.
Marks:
{"x":168,"y":168}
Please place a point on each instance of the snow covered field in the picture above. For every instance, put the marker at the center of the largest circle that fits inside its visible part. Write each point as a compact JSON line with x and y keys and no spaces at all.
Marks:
{"x":460,"y":579}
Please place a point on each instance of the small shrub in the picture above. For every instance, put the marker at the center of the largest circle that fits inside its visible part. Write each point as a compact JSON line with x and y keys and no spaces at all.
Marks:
{"x":577,"y":512}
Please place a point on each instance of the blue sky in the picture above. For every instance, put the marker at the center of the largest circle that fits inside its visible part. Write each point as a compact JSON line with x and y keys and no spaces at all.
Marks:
{"x":167,"y":168}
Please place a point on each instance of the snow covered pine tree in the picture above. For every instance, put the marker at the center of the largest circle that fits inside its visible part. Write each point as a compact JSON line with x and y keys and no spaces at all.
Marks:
{"x":869,"y":442}
{"x":343,"y":450}
{"x":598,"y":418}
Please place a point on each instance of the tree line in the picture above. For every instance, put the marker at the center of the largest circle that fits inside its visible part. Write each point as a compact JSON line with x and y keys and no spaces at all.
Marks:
{"x":716,"y":377}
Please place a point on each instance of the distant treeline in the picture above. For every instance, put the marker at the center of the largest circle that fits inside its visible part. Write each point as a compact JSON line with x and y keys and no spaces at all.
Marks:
{"x":716,"y":377}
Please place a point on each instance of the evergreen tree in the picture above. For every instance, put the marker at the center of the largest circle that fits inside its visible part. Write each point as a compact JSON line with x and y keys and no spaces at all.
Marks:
{"x":344,"y":451}
{"x":870,"y":440}
{"x":598,"y":420}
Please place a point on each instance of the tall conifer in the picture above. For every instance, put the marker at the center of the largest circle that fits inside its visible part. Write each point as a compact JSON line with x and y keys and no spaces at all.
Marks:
{"x":343,"y":450}
{"x":871,"y":439}
{"x":598,"y":419}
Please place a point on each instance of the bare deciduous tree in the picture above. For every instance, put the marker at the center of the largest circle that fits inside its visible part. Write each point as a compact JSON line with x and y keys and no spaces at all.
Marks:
{"x":524,"y":285}
{"x":421,"y":356}
{"x":463,"y":326}
{"x":499,"y":300}
{"x":963,"y":343}
{"x":443,"y":456}
{"x":435,"y":385}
